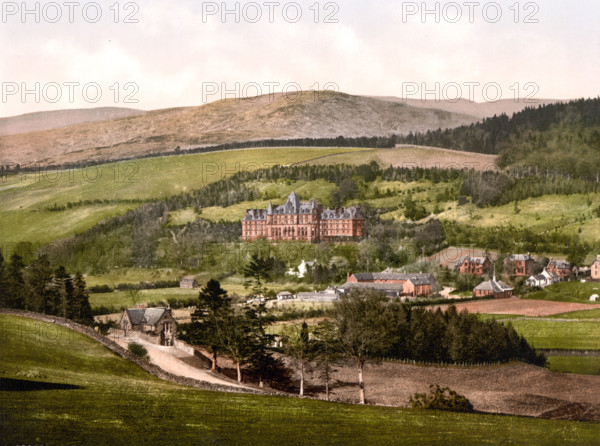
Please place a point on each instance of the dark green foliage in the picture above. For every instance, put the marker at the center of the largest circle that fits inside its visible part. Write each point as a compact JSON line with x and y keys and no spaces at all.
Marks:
{"x":554,"y":139}
{"x":212,"y":310}
{"x":138,"y":350}
{"x":441,"y":398}
{"x":258,"y":271}
{"x":413,"y":211}
{"x":346,"y":191}
{"x":15,"y":283}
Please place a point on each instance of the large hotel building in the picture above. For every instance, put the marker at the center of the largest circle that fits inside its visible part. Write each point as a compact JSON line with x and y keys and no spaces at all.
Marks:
{"x":308,"y":221}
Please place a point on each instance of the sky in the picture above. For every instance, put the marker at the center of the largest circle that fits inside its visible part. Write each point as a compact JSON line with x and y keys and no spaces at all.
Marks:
{"x":152,"y":54}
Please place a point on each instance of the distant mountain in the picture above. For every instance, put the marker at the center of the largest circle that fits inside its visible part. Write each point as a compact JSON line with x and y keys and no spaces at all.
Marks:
{"x":309,"y":114}
{"x":478,"y":110}
{"x":33,"y":122}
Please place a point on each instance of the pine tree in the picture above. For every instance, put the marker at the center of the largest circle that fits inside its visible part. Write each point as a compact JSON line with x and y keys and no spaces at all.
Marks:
{"x":15,"y":283}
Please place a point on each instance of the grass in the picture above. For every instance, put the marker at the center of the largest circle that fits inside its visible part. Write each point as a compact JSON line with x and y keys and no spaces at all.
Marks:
{"x":583,"y":314}
{"x":573,"y":291}
{"x":549,"y":334}
{"x":24,"y":198}
{"x":581,"y":365}
{"x":118,"y":403}
{"x":540,"y":213}
{"x":117,"y":299}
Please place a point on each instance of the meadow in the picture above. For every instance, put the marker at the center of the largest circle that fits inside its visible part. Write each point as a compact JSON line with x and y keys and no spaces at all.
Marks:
{"x":573,"y":291}
{"x":26,"y":198}
{"x":112,"y":401}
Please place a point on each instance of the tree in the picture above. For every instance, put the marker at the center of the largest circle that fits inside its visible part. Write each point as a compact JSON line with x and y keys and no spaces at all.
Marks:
{"x":3,"y":284}
{"x":327,"y":349}
{"x":365,"y":328}
{"x":15,"y":283}
{"x":63,"y":285}
{"x":258,"y":271}
{"x":80,"y":309}
{"x":297,"y":344}
{"x":235,"y":337}
{"x":261,"y":357}
{"x":576,"y":254}
{"x":212,"y":309}
{"x":39,"y":281}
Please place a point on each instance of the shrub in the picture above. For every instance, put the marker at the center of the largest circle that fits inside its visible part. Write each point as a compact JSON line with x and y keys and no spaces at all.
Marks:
{"x":138,"y":350}
{"x":441,"y":398}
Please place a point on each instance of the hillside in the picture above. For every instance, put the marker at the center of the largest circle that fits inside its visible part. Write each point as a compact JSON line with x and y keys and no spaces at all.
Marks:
{"x":478,"y":110}
{"x":232,"y":120}
{"x":561,"y":138}
{"x":34,"y":122}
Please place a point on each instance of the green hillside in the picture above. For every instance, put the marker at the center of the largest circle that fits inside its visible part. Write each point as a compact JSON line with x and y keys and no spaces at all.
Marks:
{"x":88,"y":395}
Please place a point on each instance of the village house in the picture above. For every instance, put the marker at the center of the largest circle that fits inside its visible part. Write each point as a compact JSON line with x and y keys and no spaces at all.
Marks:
{"x":493,"y":287}
{"x":412,"y":284}
{"x":523,"y":264}
{"x":476,"y":266}
{"x":157,"y":323}
{"x":284,"y":295}
{"x":188,"y":282}
{"x":303,"y":269}
{"x":595,"y":269}
{"x":561,"y":268}
{"x":296,"y":220}
{"x":543,"y":279}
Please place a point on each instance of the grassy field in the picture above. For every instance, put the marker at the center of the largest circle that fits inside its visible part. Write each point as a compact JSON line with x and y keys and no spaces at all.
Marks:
{"x":585,"y":314}
{"x":24,"y":199}
{"x":580,"y":365}
{"x":576,"y":335}
{"x":573,"y":291}
{"x":541,"y":213}
{"x":115,"y":402}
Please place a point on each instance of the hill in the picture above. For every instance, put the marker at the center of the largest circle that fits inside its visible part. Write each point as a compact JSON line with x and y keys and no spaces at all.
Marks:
{"x":87,"y":395}
{"x":233,"y":120}
{"x":478,"y":110}
{"x":561,"y":139}
{"x":34,"y":122}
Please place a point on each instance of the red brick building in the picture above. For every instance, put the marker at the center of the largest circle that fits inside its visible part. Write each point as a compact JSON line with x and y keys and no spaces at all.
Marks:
{"x":296,"y":220}
{"x":523,"y":264}
{"x":561,"y":268}
{"x":415,"y":284}
{"x":493,"y":287}
{"x":473,"y":265}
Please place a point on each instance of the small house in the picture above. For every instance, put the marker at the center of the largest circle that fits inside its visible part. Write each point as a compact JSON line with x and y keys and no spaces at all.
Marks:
{"x":493,"y":287}
{"x":303,"y":269}
{"x":155,"y":322}
{"x":543,"y":279}
{"x":188,"y":282}
{"x":284,"y":295}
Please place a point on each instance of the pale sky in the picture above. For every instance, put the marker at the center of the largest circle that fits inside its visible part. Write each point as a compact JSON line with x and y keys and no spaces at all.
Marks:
{"x":186,"y":53}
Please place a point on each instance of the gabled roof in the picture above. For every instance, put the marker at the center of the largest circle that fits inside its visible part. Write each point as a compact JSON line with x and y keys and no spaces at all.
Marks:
{"x":398,"y":287}
{"x":341,"y":213}
{"x":473,"y":260}
{"x":146,"y":316}
{"x":521,"y":257}
{"x":415,"y":278}
{"x":560,"y":264}
{"x":188,"y":279}
{"x":497,"y":286}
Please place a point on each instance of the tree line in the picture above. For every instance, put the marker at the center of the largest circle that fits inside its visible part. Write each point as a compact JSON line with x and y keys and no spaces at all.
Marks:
{"x":43,"y":289}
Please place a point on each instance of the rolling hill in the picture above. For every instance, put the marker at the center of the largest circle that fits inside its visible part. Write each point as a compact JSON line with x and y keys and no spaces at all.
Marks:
{"x":232,"y":120}
{"x":34,"y":122}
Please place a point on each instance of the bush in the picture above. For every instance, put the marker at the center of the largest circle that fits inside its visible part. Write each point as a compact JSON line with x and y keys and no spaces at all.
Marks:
{"x":138,"y":350}
{"x":441,"y":398}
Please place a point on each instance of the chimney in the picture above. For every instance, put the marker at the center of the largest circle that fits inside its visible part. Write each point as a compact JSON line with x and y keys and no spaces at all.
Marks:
{"x":347,"y":276}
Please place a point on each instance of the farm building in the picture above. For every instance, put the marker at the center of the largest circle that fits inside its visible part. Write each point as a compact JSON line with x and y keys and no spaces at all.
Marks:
{"x":473,"y":265}
{"x":188,"y":282}
{"x":523,"y":264}
{"x":393,"y":290}
{"x":493,"y":287}
{"x":157,"y":322}
{"x":595,"y":273}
